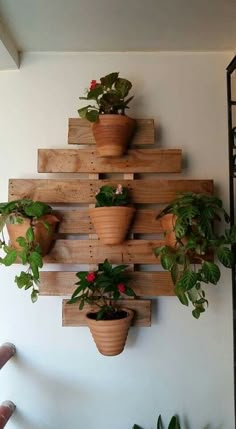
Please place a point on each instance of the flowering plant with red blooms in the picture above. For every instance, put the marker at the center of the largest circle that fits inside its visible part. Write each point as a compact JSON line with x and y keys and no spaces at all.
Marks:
{"x":102,"y":288}
{"x":109,"y":95}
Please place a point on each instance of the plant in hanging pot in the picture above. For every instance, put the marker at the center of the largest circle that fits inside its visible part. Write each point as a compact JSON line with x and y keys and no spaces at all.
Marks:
{"x":112,"y":129}
{"x":191,"y":238}
{"x":103,"y":288}
{"x":112,"y":214}
{"x":30,"y":226}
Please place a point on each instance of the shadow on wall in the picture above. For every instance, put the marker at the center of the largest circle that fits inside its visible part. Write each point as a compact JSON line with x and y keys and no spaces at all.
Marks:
{"x":46,"y":401}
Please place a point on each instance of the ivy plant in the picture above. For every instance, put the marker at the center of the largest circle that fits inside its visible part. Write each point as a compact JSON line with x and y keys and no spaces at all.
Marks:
{"x":30,"y":253}
{"x":190,"y":261}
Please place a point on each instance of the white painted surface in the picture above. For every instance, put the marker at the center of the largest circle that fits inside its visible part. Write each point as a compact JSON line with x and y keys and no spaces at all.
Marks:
{"x":179,"y":365}
{"x":131,"y":25}
{"x":9,"y":55}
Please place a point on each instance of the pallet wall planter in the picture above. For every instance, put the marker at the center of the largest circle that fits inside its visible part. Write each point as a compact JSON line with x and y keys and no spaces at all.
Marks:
{"x":77,"y":242}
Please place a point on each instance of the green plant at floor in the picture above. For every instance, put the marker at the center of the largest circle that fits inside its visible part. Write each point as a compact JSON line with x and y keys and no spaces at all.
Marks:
{"x":28,"y":251}
{"x":193,"y":225}
{"x":109,"y":196}
{"x":109,"y":95}
{"x":173,"y":424}
{"x":102,"y":288}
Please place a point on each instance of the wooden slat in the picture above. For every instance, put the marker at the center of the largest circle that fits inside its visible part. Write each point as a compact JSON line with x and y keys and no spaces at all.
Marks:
{"x":78,"y":222}
{"x":72,"y":316}
{"x":159,"y":191}
{"x":93,"y":252}
{"x":80,"y":132}
{"x":86,"y":161}
{"x":62,"y":283}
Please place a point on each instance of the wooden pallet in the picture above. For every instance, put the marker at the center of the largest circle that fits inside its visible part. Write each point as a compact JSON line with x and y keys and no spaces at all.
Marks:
{"x":76,"y":241}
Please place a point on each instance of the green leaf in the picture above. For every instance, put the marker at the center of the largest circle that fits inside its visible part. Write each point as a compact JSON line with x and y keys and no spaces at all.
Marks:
{"x":30,"y":235}
{"x":211,"y":272}
{"x":123,"y":86}
{"x":92,"y":115}
{"x":129,"y":291}
{"x":136,"y":427}
{"x":109,"y":79}
{"x":34,"y":295}
{"x":174,"y":273}
{"x":23,"y":279}
{"x":188,"y":279}
{"x":36,"y":259}
{"x":197,"y":312}
{"x":159,"y":423}
{"x":179,"y":291}
{"x":225,"y":256}
{"x":167,"y":261}
{"x":22,"y":241}
{"x":83,"y":111}
{"x":174,"y":423}
{"x":10,"y":258}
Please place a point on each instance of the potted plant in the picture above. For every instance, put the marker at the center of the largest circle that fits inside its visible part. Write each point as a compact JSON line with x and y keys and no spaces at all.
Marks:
{"x":112,"y":129}
{"x":30,"y":225}
{"x":102,"y":288}
{"x":173,"y":424}
{"x":112,"y":214}
{"x":191,"y":239}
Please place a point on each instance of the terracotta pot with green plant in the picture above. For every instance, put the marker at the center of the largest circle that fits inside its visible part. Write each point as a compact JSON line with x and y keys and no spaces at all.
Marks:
{"x":193,"y":239}
{"x":31,"y":226}
{"x":102,"y":289}
{"x":112,"y":129}
{"x":112,"y":214}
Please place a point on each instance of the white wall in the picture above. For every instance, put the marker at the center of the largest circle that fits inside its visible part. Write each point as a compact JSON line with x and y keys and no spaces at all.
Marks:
{"x":179,"y":365}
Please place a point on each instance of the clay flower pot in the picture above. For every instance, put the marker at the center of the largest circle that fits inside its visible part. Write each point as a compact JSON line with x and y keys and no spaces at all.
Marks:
{"x":43,"y":235}
{"x":111,"y":223}
{"x":112,"y":134}
{"x":167,"y":224}
{"x":110,"y":335}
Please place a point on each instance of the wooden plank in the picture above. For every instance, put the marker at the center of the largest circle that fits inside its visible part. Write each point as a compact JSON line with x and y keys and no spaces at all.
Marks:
{"x":78,"y":222}
{"x":145,"y":284}
{"x":72,"y":316}
{"x":86,"y":161}
{"x":93,"y":252}
{"x":159,"y":191}
{"x":80,"y":132}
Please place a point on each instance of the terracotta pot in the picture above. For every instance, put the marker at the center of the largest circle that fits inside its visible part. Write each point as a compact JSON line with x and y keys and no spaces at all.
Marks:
{"x":110,"y":335}
{"x":43,"y":235}
{"x":111,"y":223}
{"x":167,"y":224}
{"x":112,"y":134}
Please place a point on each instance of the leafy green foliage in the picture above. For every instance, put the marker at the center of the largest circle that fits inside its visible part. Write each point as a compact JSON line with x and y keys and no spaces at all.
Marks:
{"x":110,"y":196}
{"x":110,"y":97}
{"x":102,"y":288}
{"x":30,"y":253}
{"x":173,"y":424}
{"x":196,"y":239}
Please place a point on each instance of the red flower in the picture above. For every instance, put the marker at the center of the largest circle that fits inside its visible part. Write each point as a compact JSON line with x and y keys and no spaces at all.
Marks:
{"x":121,"y":288}
{"x":90,"y":277}
{"x":93,"y":84}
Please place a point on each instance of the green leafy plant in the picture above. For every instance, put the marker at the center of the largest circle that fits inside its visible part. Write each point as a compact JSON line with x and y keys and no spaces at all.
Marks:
{"x":28,"y":252}
{"x":109,"y":95}
{"x":102,"y":288}
{"x":173,"y":424}
{"x":109,"y":196}
{"x":196,"y":238}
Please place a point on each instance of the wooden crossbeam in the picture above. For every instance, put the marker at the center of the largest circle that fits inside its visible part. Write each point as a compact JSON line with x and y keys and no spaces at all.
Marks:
{"x":144,"y":284}
{"x":159,"y":191}
{"x":80,"y":132}
{"x":87,"y":161}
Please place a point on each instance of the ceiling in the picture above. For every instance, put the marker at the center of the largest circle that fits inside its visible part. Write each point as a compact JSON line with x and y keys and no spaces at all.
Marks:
{"x":112,"y":25}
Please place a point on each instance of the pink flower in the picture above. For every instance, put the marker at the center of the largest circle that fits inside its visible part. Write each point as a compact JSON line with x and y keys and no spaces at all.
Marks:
{"x":90,"y":277}
{"x":121,"y":288}
{"x":119,"y":190}
{"x":93,"y":84}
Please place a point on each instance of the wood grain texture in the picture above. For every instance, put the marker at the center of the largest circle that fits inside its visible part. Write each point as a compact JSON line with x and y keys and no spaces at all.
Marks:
{"x":80,"y":132}
{"x":145,"y":284}
{"x":159,"y":191}
{"x":78,"y":222}
{"x":93,"y":252}
{"x":72,"y":316}
{"x":86,"y":161}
